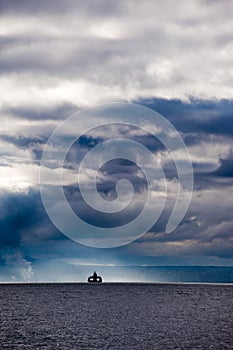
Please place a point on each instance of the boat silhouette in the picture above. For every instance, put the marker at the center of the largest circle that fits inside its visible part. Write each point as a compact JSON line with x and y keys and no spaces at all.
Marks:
{"x":94,"y":278}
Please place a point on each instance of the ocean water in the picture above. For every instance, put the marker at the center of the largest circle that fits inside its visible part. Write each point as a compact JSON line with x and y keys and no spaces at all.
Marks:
{"x":116,"y":316}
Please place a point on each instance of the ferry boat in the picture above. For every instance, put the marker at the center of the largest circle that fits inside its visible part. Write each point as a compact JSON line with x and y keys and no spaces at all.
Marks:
{"x":94,"y":278}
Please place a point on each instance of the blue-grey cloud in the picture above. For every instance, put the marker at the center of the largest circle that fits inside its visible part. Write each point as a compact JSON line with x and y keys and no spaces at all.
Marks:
{"x":196,"y":118}
{"x":226,"y":168}
{"x":58,"y":56}
{"x":117,"y":50}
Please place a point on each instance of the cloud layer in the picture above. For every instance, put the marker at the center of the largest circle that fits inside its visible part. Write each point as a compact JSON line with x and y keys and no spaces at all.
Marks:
{"x":81,"y":54}
{"x":58,"y":57}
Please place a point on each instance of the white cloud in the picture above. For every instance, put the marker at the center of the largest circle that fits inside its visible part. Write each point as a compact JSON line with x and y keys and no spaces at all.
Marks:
{"x":78,"y":54}
{"x":84,"y":55}
{"x":22,"y":266}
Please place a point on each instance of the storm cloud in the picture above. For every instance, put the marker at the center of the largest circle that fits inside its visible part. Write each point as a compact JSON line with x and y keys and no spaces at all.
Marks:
{"x":58,"y":57}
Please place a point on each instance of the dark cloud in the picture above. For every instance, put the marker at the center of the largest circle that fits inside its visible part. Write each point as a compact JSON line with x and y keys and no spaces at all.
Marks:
{"x":34,"y":145}
{"x":42,"y":113}
{"x":104,"y":7}
{"x":24,"y":142}
{"x":58,"y":56}
{"x":196,"y":118}
{"x":226,"y":167}
{"x":109,"y":50}
{"x":218,"y":179}
{"x":17,"y":213}
{"x":114,"y":171}
{"x":23,"y":219}
{"x":102,"y":133}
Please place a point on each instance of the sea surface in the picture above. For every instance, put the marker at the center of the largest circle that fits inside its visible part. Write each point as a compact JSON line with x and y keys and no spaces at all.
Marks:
{"x":116,"y":316}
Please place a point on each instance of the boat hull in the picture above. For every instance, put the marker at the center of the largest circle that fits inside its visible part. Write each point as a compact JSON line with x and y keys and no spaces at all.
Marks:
{"x":98,"y":280}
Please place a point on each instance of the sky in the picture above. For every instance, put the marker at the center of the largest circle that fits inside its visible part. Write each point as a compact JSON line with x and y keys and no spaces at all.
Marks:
{"x":60,"y":57}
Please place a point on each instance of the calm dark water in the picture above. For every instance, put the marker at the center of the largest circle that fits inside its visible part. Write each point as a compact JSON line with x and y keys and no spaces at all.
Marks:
{"x":116,"y":316}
